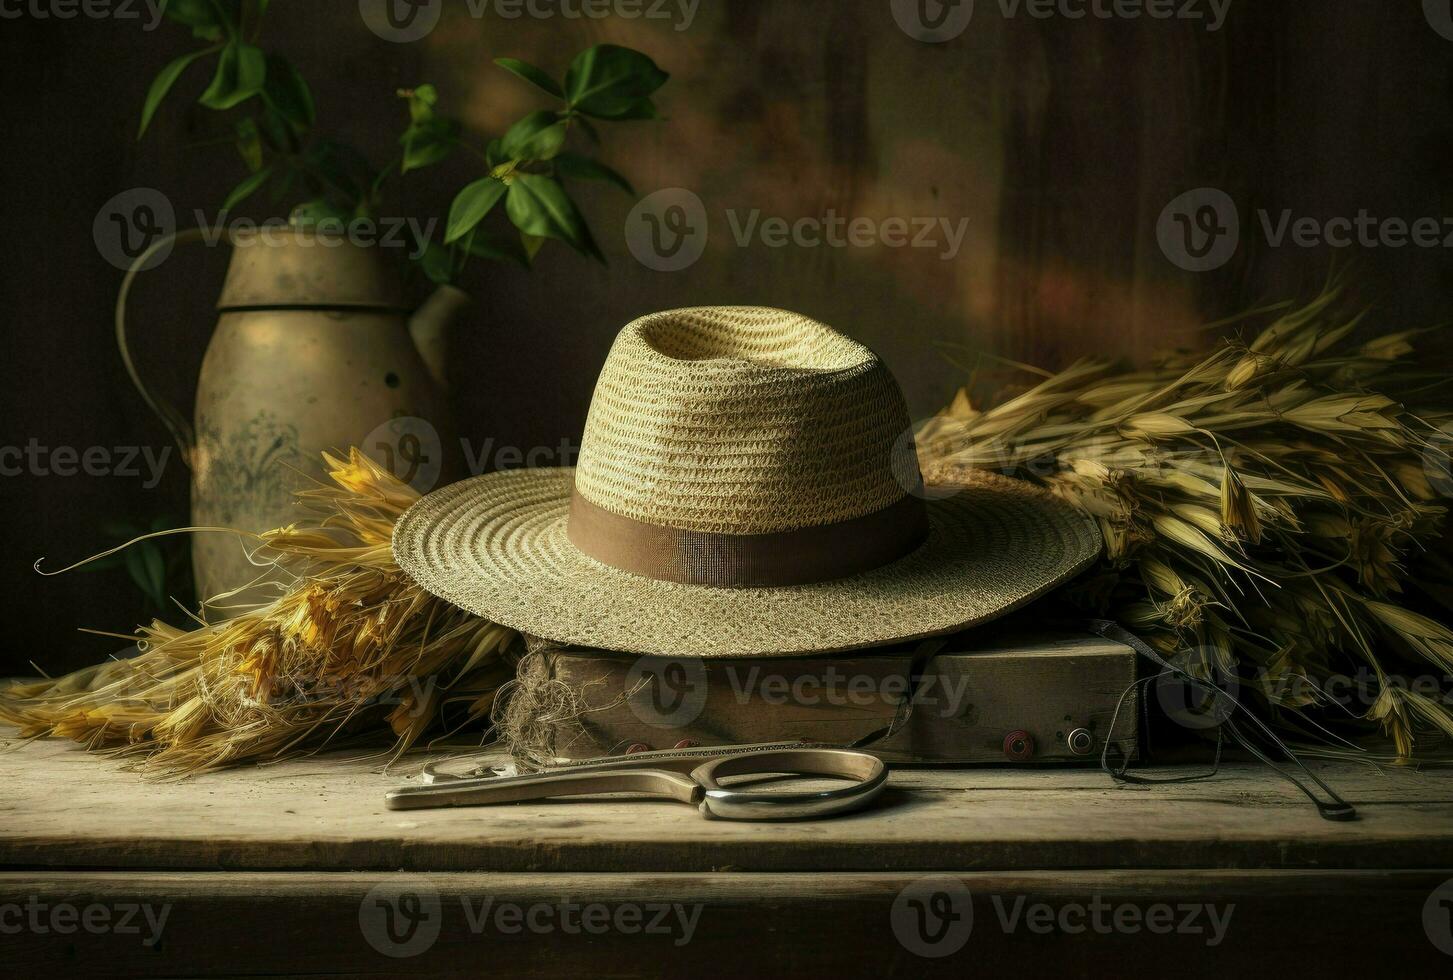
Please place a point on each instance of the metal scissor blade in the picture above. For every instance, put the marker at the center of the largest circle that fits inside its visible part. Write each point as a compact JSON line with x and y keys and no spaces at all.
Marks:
{"x":675,"y":760}
{"x":491,"y":790}
{"x":682,"y":760}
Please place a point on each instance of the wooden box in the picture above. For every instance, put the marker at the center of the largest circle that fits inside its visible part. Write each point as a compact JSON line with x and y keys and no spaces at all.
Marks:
{"x":990,"y":697}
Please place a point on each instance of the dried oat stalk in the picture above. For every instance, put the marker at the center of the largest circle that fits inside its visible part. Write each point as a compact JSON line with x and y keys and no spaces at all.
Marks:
{"x":1272,"y":509}
{"x":350,"y":646}
{"x":1264,"y":507}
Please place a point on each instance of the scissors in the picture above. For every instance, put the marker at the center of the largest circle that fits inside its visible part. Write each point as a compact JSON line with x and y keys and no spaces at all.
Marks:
{"x":685,"y":775}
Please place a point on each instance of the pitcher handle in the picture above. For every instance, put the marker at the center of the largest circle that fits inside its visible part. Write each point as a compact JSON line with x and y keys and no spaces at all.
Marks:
{"x":175,"y":422}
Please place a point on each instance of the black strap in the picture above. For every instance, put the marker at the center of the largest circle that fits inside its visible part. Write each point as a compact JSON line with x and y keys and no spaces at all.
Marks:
{"x":922,"y":657}
{"x":1338,"y":809}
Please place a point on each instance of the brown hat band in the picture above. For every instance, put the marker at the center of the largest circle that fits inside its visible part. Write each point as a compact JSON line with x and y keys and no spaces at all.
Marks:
{"x":799,"y":557}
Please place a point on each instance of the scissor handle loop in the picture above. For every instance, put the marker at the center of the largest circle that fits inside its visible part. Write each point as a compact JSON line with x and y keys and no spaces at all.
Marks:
{"x":867,"y":773}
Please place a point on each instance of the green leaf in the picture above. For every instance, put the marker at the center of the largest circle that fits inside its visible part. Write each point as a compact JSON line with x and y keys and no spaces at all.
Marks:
{"x":538,"y":136}
{"x":428,"y":142}
{"x":312,"y":213}
{"x":471,"y":205}
{"x":644,"y":109}
{"x":288,"y":94}
{"x":535,"y":76}
{"x":249,"y":143}
{"x":342,"y":168}
{"x":503,"y":248}
{"x":241,"y":74}
{"x":147,"y":567}
{"x":246,"y":189}
{"x":611,"y":82}
{"x":422,"y":101}
{"x":437,"y":264}
{"x":277,"y":133}
{"x":163,"y":84}
{"x":121,"y":530}
{"x":580,"y":167}
{"x":539,"y":206}
{"x":200,"y":15}
{"x":494,"y":153}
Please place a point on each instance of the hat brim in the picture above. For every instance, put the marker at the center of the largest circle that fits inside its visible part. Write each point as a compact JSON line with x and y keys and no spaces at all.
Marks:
{"x":496,"y":546}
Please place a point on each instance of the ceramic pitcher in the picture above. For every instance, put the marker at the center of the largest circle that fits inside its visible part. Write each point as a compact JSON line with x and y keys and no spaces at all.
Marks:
{"x":314,"y":350}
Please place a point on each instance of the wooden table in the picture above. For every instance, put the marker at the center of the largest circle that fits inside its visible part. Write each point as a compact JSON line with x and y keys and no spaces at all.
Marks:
{"x":298,"y":869}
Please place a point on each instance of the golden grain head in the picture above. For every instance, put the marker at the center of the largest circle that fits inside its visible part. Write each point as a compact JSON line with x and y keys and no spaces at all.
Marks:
{"x":1154,"y":426}
{"x":1278,"y":487}
{"x":1273,"y":482}
{"x":1247,"y":371}
{"x":1389,"y":347}
{"x":284,"y":677}
{"x":1239,"y":509}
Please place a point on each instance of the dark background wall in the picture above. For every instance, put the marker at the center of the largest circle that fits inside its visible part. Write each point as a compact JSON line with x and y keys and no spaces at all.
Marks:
{"x":1060,"y":141}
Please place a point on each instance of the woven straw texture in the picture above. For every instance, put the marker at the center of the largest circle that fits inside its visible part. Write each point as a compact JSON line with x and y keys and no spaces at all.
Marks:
{"x":496,"y":546}
{"x":739,"y":421}
{"x":743,"y":421}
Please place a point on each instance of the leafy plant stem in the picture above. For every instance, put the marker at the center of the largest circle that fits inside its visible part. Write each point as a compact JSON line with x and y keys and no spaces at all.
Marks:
{"x":223,"y":19}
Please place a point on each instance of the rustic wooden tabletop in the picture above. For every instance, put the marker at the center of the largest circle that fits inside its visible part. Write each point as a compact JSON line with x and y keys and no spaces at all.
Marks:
{"x":297,"y":868}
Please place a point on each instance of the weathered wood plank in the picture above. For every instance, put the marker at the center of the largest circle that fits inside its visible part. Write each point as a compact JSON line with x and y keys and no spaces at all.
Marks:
{"x":66,"y":809}
{"x":1213,"y":924}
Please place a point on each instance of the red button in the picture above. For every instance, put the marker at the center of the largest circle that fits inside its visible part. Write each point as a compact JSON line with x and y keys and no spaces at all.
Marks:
{"x":1019,"y":746}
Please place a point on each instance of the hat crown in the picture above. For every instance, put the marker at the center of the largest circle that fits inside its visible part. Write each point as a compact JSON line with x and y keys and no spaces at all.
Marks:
{"x":740,"y":420}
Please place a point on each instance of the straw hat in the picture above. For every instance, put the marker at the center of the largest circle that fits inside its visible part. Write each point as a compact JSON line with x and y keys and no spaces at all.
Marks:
{"x":747,"y":486}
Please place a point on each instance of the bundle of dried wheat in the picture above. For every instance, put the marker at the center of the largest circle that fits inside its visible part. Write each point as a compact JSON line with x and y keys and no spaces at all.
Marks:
{"x":351,"y":645}
{"x":1264,"y":505}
